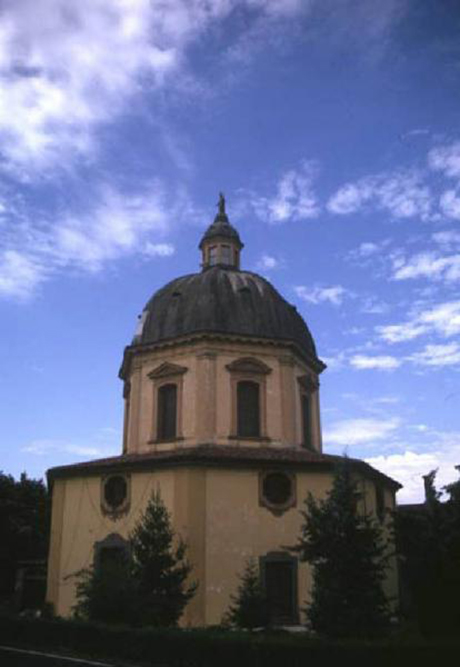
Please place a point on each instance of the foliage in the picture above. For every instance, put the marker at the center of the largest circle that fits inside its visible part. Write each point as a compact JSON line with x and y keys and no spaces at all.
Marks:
{"x":429,"y":542}
{"x":249,"y":608}
{"x":159,"y":566}
{"x":349,"y":556}
{"x":107,"y":594}
{"x":148,"y":587}
{"x":24,"y":525}
{"x":208,"y":648}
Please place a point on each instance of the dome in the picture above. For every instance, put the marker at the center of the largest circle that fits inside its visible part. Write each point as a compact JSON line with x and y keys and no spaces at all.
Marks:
{"x":223,"y":301}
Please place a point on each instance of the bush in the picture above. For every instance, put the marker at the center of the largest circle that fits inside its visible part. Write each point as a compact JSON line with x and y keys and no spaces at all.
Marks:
{"x":249,"y":609}
{"x":148,"y":587}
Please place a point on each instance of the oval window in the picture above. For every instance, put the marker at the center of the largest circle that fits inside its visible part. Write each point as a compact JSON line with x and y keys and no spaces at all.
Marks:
{"x":277,"y":488}
{"x":115,"y":491}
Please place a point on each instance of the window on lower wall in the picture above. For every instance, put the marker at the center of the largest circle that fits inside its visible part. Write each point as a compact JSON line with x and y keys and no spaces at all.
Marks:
{"x":279,"y":580}
{"x":248,"y":409}
{"x":277,"y":491}
{"x":115,"y":495}
{"x":111,"y":552}
{"x":167,"y":412}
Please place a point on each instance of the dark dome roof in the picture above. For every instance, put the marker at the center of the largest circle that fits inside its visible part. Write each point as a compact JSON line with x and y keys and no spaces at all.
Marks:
{"x":221,"y":227}
{"x":224,"y":301}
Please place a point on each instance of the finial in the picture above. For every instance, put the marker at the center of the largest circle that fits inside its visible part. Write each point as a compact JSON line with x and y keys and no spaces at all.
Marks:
{"x":221,"y":204}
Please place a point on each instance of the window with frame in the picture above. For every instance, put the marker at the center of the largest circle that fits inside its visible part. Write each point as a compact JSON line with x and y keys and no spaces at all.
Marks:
{"x":213,"y":255}
{"x":248,"y":409}
{"x":279,"y":581}
{"x":115,"y":495}
{"x":277,"y":491}
{"x":111,"y":553}
{"x":115,"y":491}
{"x":167,"y":412}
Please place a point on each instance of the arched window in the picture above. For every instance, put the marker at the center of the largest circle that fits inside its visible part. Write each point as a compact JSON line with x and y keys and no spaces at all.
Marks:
{"x":167,"y":412}
{"x":248,"y":409}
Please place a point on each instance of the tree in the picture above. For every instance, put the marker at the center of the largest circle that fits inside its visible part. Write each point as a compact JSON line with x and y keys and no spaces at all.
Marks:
{"x":249,"y":608}
{"x":146,"y":586}
{"x":349,"y":557}
{"x":429,"y":544}
{"x":159,"y":566}
{"x":24,"y":526}
{"x":107,"y":594}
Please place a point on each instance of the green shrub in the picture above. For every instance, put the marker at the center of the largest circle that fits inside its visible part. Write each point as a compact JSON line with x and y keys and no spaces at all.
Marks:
{"x":249,"y":608}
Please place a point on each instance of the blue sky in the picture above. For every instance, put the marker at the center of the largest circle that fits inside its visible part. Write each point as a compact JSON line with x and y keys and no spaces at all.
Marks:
{"x":333,"y":128}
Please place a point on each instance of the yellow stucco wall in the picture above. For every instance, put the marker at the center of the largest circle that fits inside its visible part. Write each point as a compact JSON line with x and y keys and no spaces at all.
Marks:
{"x":216,"y":510}
{"x":206,"y":398}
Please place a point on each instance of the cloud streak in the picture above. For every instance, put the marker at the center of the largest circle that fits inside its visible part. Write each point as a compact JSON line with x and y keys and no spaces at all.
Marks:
{"x":294,"y":199}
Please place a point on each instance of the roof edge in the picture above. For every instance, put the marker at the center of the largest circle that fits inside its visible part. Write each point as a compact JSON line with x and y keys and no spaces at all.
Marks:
{"x":222,"y":456}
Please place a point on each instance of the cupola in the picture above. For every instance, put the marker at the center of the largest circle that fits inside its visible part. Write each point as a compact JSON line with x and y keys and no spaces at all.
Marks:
{"x":221,"y":243}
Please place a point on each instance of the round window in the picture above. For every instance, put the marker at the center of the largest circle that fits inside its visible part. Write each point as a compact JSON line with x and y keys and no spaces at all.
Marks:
{"x":115,"y":491}
{"x":277,"y":488}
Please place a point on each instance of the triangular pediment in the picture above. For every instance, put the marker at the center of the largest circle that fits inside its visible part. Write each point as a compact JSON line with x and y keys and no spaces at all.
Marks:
{"x":249,"y":365}
{"x":166,"y":369}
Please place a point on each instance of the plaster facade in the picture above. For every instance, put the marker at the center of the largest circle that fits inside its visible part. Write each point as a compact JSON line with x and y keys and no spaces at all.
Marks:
{"x":216,"y":510}
{"x":206,"y":396}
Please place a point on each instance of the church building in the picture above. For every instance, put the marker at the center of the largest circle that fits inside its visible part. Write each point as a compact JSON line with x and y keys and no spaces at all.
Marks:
{"x":222,"y":416}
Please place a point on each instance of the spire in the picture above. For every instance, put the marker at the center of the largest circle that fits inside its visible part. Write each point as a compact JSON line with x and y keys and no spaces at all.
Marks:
{"x":221,"y":243}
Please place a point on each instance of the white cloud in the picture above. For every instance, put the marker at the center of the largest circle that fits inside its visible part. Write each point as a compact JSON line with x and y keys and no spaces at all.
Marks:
{"x":428,"y":265}
{"x":360,"y":431}
{"x":334,"y":294}
{"x":446,"y":159}
{"x":42,"y":447}
{"x":442,"y":319}
{"x":448,"y":239}
{"x":401,"y":193}
{"x":450,"y":204}
{"x":372,"y":306}
{"x":19,"y":274}
{"x":437,"y":355}
{"x":383,"y":362}
{"x":71,"y":66}
{"x":408,"y":467}
{"x":116,"y":225}
{"x":294,"y":199}
{"x":267,"y":262}
{"x":366,"y":249}
{"x":67,"y":68}
{"x":350,"y":198}
{"x":104,"y":442}
{"x":111,"y":224}
{"x":158,"y":249}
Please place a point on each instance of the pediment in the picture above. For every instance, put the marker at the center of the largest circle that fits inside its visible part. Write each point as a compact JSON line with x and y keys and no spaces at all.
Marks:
{"x":308,"y":383}
{"x":249,"y":365}
{"x":167,"y":369}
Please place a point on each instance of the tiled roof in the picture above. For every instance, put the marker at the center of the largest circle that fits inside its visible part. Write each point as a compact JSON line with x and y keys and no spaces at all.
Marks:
{"x":224,"y":456}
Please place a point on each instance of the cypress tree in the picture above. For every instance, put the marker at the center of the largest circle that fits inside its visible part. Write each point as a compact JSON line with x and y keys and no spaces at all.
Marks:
{"x":249,"y":608}
{"x":349,"y":556}
{"x":159,"y":566}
